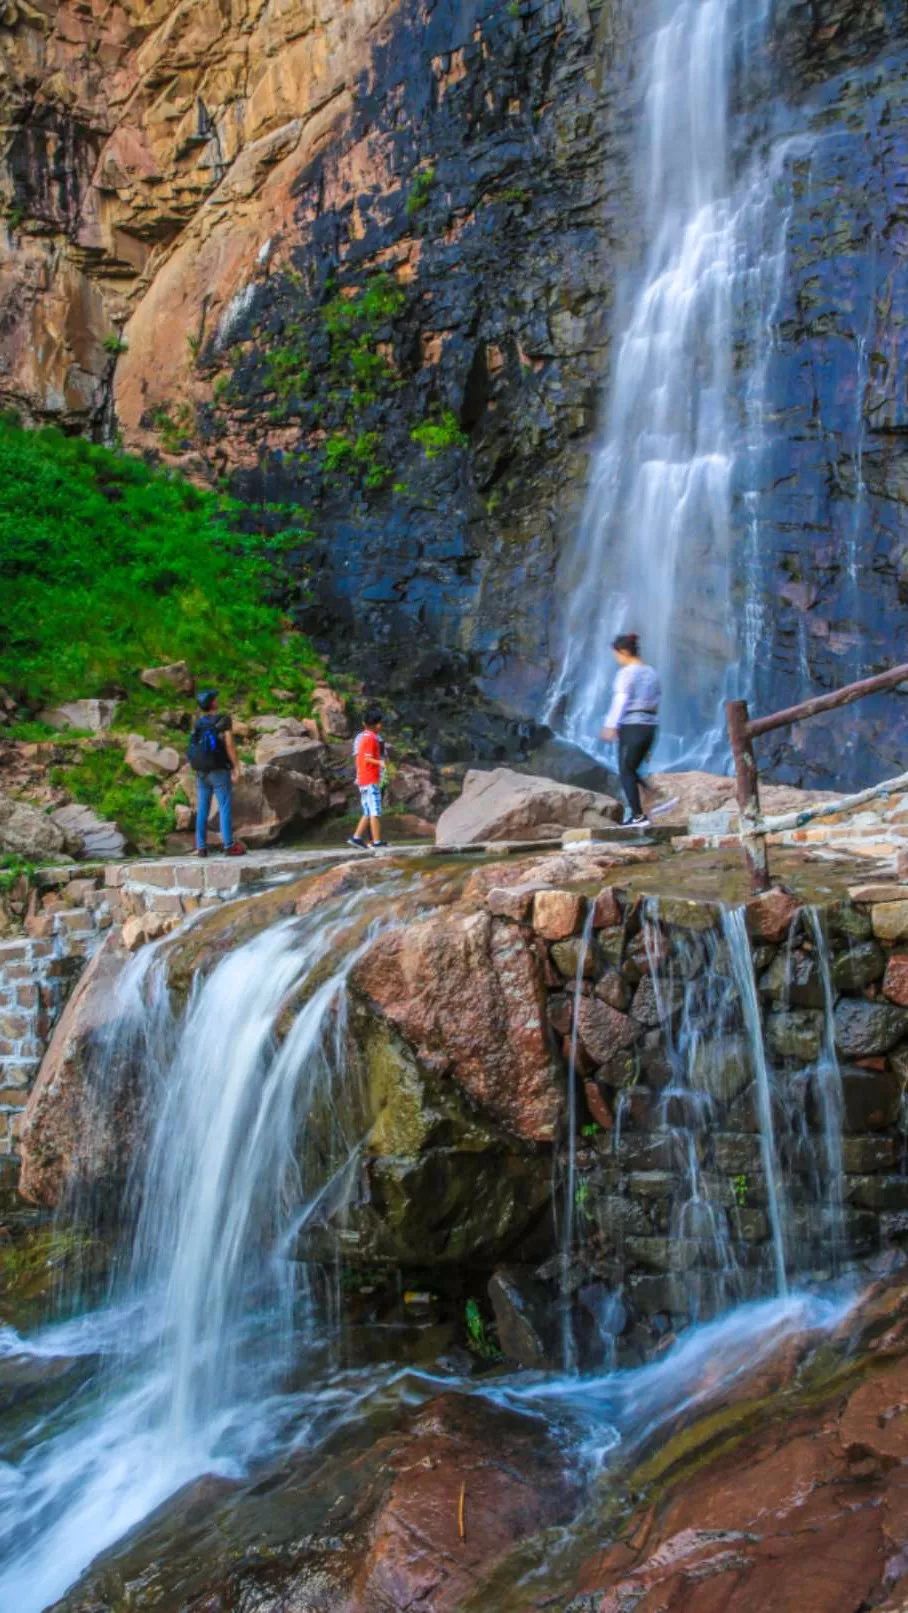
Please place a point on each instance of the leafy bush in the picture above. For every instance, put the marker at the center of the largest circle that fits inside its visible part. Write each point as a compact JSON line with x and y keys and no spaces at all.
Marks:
{"x":102,"y":780}
{"x":12,"y":868}
{"x":107,"y":565}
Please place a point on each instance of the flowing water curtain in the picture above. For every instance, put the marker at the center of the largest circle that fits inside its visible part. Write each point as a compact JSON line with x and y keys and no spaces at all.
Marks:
{"x":197,"y":1337}
{"x":653,"y":548}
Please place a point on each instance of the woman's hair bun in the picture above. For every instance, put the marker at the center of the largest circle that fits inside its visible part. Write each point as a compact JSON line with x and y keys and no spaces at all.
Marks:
{"x":628,"y":642}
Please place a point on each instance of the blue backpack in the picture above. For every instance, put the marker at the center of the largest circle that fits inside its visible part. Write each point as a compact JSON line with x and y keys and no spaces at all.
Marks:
{"x":205,"y":752}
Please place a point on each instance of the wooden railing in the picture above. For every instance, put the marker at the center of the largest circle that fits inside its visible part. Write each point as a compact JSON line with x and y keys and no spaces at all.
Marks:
{"x":744,"y":729}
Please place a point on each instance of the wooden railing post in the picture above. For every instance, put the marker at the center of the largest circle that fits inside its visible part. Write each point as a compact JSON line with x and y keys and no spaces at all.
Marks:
{"x":748,"y":793}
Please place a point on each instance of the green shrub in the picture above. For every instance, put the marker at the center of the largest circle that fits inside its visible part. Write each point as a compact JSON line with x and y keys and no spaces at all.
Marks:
{"x":107,"y":565}
{"x":420,"y":191}
{"x":12,"y":868}
{"x":102,"y":780}
{"x":435,"y":436}
{"x":115,"y":344}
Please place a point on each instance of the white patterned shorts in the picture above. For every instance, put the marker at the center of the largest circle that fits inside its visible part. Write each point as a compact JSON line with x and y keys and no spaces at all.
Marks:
{"x":370,"y":799}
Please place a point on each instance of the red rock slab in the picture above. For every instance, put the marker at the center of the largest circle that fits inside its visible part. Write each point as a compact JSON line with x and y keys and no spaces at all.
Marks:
{"x":769,"y":916}
{"x":492,"y":1474}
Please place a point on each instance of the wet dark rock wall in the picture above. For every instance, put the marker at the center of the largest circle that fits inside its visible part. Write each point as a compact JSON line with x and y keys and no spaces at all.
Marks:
{"x":833,"y":477}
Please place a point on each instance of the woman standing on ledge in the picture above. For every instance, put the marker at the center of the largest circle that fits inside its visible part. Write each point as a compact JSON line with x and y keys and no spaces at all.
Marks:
{"x":632,"y":719}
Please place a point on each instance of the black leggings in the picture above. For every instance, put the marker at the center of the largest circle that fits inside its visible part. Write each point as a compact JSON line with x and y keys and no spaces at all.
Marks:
{"x":635,"y":741}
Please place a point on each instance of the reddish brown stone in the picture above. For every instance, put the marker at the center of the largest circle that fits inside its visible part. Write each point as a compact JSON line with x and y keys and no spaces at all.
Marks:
{"x":769,"y":916}
{"x":556,"y":914}
{"x":603,"y":1030}
{"x":466,"y":992}
{"x":895,"y":980}
{"x":606,"y":909}
{"x":511,"y":901}
{"x":597,"y":1106}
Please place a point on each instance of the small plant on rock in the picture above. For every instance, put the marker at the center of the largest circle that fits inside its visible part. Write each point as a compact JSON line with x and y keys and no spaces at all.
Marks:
{"x":478,"y":1338}
{"x":740,"y":1187}
{"x":437,"y":436}
{"x":115,"y":344}
{"x":420,"y":191}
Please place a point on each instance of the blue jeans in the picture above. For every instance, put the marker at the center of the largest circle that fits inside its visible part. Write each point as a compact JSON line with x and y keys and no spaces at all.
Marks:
{"x":220,"y":786}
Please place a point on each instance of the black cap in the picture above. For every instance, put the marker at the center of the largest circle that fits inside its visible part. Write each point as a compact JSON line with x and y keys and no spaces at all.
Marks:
{"x":206,"y":698}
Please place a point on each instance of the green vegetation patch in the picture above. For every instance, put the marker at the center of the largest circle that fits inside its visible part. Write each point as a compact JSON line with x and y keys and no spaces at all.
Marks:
{"x":108,"y":566}
{"x":436,"y":436}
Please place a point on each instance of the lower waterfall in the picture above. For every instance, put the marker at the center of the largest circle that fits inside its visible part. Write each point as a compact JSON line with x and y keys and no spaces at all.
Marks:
{"x":205,"y":1315}
{"x":213,"y":1352}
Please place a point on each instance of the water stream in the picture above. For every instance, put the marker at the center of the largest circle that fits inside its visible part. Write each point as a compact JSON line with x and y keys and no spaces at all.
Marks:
{"x":206,"y":1313}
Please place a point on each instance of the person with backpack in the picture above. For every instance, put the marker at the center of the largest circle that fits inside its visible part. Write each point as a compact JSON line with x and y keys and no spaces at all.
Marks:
{"x":213,"y":758}
{"x":369,"y":754}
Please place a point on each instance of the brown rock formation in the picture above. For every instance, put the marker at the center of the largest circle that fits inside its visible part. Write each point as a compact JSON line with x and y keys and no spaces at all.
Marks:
{"x":60,"y":1126}
{"x":466,"y":992}
{"x":120,"y":122}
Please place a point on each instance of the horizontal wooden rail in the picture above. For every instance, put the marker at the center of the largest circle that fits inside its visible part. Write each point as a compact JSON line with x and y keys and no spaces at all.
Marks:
{"x":744,"y":729}
{"x":827,"y":702}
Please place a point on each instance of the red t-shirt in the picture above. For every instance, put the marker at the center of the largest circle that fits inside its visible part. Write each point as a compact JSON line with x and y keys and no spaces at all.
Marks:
{"x":367,"y":750}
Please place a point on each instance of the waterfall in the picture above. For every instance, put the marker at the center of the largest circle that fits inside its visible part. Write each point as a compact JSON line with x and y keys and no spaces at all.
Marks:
{"x":652,"y":550}
{"x":205,"y":1318}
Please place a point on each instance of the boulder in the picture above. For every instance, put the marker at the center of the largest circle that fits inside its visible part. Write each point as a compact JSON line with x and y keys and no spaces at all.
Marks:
{"x":330,"y":712}
{"x":867,"y":1029}
{"x":297,"y":726}
{"x":794,"y":978}
{"x":27,"y":832}
{"x":291,"y":753}
{"x":504,"y":805}
{"x":176,"y":675}
{"x":525,"y":1316}
{"x":149,"y":759}
{"x":93,"y":715}
{"x":722,"y":1067}
{"x":90,"y":835}
{"x":67,"y":1134}
{"x":862,"y":964}
{"x":466,"y":993}
{"x":413,"y":787}
{"x":268,"y":800}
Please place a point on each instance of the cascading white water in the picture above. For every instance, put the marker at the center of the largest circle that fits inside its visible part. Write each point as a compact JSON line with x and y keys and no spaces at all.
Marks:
{"x":204,"y":1321}
{"x":652,"y":551}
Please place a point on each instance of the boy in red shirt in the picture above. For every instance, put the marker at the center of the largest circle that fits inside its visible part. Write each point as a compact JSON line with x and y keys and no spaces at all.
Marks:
{"x":369,"y":750}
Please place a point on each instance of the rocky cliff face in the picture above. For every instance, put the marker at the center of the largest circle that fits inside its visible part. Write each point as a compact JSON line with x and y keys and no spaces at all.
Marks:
{"x":359,"y":260}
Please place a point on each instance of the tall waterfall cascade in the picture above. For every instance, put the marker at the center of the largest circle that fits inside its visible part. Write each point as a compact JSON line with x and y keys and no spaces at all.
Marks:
{"x":653,"y":549}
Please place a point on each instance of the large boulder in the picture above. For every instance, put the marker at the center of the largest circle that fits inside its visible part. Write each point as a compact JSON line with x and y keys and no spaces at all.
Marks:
{"x":95,"y":716}
{"x":268,"y":800}
{"x":27,"y":832}
{"x":66,"y":1135}
{"x":293,"y":753}
{"x":504,"y":805}
{"x":466,"y":993}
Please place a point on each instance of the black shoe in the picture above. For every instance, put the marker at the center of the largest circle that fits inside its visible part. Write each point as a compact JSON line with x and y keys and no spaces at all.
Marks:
{"x":360,"y":845}
{"x":201,"y":851}
{"x":379,"y":845}
{"x":639,"y":823}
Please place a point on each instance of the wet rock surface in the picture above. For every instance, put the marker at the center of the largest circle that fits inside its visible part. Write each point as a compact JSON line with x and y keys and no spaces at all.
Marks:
{"x":412,"y":1518}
